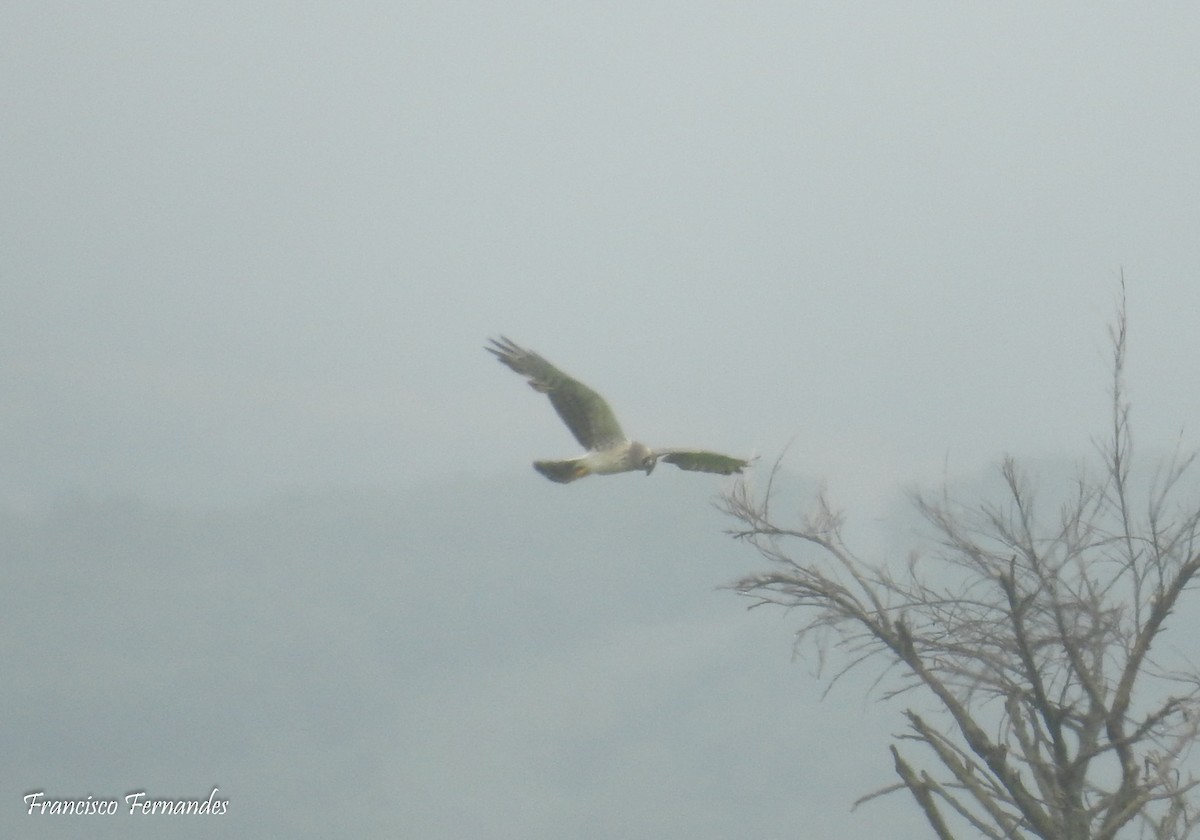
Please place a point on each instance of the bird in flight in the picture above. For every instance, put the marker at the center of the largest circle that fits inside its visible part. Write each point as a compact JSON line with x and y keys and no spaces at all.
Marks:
{"x":595,"y":426}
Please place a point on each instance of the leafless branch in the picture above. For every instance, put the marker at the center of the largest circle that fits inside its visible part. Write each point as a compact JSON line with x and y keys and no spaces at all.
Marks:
{"x":1037,"y":623}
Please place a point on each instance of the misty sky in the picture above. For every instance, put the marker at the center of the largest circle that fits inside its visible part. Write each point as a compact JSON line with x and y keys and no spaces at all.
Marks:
{"x":261,"y":481}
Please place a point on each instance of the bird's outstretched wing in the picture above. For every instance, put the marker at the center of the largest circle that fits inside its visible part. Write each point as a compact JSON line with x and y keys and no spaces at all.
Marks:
{"x":584,"y":411}
{"x":699,"y":460}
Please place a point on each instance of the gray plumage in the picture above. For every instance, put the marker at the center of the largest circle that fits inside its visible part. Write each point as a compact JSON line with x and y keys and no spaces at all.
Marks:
{"x":592,"y":422}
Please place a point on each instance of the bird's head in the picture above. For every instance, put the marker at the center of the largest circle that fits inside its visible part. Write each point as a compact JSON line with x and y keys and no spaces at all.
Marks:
{"x":643,"y":457}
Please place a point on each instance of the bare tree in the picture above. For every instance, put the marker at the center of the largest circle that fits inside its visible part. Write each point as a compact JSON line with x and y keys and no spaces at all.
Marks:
{"x":1060,"y":714}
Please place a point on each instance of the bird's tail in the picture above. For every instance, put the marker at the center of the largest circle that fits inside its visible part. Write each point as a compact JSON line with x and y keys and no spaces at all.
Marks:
{"x":562,"y":471}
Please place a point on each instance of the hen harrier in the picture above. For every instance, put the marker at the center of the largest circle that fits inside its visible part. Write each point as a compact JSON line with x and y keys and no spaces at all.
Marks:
{"x":595,"y":426}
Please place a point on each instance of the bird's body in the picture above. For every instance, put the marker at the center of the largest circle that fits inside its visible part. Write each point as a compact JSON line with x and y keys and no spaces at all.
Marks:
{"x":594,"y":425}
{"x":617,"y":459}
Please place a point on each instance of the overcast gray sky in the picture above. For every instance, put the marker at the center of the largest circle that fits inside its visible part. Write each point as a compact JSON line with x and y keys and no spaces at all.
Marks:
{"x":250,"y":253}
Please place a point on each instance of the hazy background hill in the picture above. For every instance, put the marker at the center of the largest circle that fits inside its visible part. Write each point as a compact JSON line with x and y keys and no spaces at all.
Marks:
{"x":502,"y":658}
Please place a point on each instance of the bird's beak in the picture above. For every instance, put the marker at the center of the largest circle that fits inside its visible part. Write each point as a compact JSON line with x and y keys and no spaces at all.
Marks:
{"x":650,"y":466}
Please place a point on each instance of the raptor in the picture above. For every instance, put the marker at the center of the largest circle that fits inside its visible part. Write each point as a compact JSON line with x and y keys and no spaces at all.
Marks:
{"x":594,"y":425}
